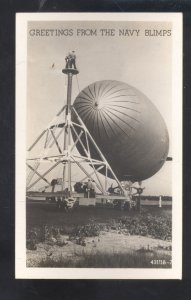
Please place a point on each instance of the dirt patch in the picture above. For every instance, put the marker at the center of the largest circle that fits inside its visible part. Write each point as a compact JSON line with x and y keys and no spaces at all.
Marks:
{"x":107,"y":242}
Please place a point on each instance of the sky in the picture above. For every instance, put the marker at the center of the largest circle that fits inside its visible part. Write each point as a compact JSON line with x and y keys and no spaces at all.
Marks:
{"x":141,"y":61}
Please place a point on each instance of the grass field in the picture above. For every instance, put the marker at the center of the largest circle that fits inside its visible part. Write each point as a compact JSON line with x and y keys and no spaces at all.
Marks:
{"x":49,"y":214}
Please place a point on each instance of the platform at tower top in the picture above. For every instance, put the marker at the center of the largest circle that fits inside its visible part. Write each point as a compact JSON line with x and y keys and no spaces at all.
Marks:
{"x":70,"y":70}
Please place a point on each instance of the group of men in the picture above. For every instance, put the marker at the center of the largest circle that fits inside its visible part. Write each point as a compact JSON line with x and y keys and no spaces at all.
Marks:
{"x":87,"y":188}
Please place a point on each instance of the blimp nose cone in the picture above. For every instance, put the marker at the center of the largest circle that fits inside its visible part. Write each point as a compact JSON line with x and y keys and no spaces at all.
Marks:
{"x":99,"y":102}
{"x":126,"y":126}
{"x":98,"y":105}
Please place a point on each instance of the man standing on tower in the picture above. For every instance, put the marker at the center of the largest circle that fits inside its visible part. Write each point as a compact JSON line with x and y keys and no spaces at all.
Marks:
{"x":71,"y":60}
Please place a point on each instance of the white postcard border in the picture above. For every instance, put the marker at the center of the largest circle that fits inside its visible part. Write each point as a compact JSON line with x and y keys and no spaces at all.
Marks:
{"x":21,"y":271}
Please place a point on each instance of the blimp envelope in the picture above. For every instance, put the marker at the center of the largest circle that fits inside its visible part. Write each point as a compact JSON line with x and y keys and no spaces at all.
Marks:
{"x":126,"y":126}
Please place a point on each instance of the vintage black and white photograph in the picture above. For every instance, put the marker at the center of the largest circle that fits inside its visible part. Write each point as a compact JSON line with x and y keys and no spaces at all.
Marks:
{"x":98,"y":146}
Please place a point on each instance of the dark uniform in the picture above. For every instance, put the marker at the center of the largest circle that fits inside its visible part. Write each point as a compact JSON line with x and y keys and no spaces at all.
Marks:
{"x":71,"y":60}
{"x":89,"y":185}
{"x":92,"y":190}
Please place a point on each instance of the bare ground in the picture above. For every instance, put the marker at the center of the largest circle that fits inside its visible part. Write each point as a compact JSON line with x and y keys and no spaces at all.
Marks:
{"x":107,"y":242}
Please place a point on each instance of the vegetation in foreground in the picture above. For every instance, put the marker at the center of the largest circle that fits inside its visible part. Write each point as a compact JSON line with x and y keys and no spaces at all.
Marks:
{"x":139,"y":259}
{"x":51,"y":227}
{"x":144,"y":224}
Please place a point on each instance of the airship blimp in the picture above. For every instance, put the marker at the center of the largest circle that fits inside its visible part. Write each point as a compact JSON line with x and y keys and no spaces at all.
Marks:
{"x":126,"y":126}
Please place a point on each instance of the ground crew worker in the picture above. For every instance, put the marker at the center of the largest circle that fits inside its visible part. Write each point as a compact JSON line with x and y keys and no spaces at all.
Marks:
{"x":93,"y":189}
{"x":111,"y":190}
{"x":89,"y":186}
{"x":84,"y":189}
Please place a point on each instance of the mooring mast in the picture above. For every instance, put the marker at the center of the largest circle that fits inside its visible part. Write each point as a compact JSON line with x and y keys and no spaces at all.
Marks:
{"x":67,"y":137}
{"x":71,"y":132}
